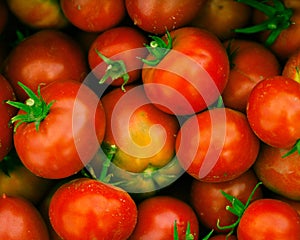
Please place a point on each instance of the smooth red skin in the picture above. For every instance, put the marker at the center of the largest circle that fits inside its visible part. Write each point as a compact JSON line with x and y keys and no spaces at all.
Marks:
{"x":291,"y":66}
{"x":119,"y":41}
{"x":89,"y":209}
{"x":156,"y":16}
{"x":44,"y":57}
{"x":275,"y":120}
{"x":55,"y":150}
{"x":156,"y":217}
{"x":236,"y":147}
{"x":195,"y":46}
{"x":252,"y":62}
{"x":94,"y":15}
{"x":223,"y":237}
{"x":210,"y":204}
{"x":6,"y":113}
{"x":21,"y":220}
{"x":269,"y":219}
{"x":281,"y":175}
{"x":124,"y":132}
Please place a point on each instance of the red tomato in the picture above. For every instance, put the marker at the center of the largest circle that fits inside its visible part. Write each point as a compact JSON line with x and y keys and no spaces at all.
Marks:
{"x":89,"y":209}
{"x":269,"y":219}
{"x":210,"y":204}
{"x":292,"y":66}
{"x":20,"y":220}
{"x":280,"y":175}
{"x":223,"y":237}
{"x":198,"y":66}
{"x":251,"y":62}
{"x":275,"y":119}
{"x":119,"y":43}
{"x":43,"y":57}
{"x":6,"y":113}
{"x":157,"y":216}
{"x":68,"y":136}
{"x":156,"y":16}
{"x":216,"y":145}
{"x":94,"y":15}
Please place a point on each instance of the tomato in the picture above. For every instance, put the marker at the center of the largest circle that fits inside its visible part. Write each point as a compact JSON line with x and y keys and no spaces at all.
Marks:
{"x":223,"y":237}
{"x":275,"y":119}
{"x":251,"y":62}
{"x":6,"y":113}
{"x":38,"y":14}
{"x":199,"y":74}
{"x":216,"y":145}
{"x":43,"y":57}
{"x":157,"y":216}
{"x":269,"y":219}
{"x":280,"y":175}
{"x":156,"y":16}
{"x":119,"y":43}
{"x":94,"y":15}
{"x":291,"y":67}
{"x":20,"y":220}
{"x":61,"y":141}
{"x":89,"y":209}
{"x":221,"y":17}
{"x":210,"y":204}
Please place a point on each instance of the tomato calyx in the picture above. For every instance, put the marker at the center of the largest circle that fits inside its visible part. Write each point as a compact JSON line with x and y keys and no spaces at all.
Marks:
{"x":279,"y":18}
{"x":295,"y":148}
{"x":115,"y":69}
{"x":188,"y":234}
{"x":35,"y":108}
{"x":237,"y":208}
{"x":158,"y":48}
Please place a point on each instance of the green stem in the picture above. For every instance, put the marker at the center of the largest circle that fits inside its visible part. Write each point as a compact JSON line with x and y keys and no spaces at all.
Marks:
{"x":109,"y":151}
{"x":35,"y":108}
{"x":295,"y":148}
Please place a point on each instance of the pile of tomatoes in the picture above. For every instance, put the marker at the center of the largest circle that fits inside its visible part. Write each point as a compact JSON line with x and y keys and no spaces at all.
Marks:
{"x":133,"y":119}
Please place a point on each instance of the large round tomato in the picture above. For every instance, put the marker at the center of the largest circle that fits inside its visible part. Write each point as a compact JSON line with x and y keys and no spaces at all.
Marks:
{"x":6,"y":113}
{"x":191,"y":75}
{"x":269,"y":219}
{"x":273,"y":111}
{"x":20,"y":220}
{"x":89,"y":209}
{"x":158,"y":215}
{"x":156,"y":16}
{"x":68,"y":136}
{"x":43,"y":57}
{"x":217,"y":145}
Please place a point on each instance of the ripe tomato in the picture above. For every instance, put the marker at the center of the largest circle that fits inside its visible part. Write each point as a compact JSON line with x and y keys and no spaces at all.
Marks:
{"x":156,"y":16}
{"x":206,"y":145}
{"x":68,"y":135}
{"x":43,"y":57}
{"x":210,"y":204}
{"x":273,"y":111}
{"x":157,"y":216}
{"x":280,"y":175}
{"x":94,"y":15}
{"x":291,"y":67}
{"x":198,"y":65}
{"x":119,"y":43}
{"x":89,"y":209}
{"x":223,"y":237}
{"x":251,"y":62}
{"x":269,"y":219}
{"x":21,"y":220}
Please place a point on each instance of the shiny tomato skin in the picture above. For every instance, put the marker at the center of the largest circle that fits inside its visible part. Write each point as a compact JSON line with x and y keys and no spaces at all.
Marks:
{"x":21,"y":220}
{"x":251,"y":62}
{"x":89,"y":209}
{"x":206,"y":145}
{"x":275,"y":119}
{"x":269,"y":219}
{"x":280,"y":175}
{"x":210,"y":204}
{"x":6,"y":113}
{"x":291,"y":66}
{"x":189,"y":91}
{"x":157,"y":215}
{"x":68,"y":137}
{"x":125,"y":43}
{"x":94,"y":15}
{"x":156,"y":16}
{"x":44,"y":57}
